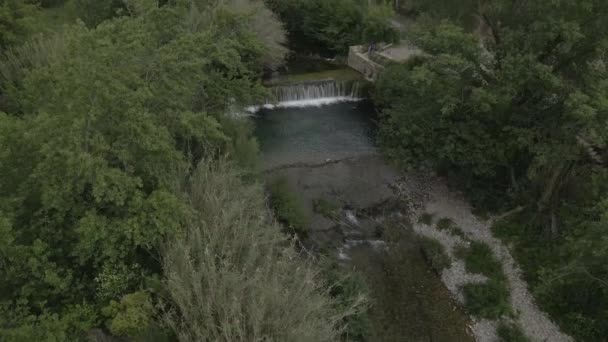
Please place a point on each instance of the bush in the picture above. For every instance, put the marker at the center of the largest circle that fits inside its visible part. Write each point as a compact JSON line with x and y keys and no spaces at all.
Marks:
{"x":444,"y":223}
{"x":487,"y":300}
{"x":232,"y":276}
{"x":131,"y":317}
{"x":331,"y":26}
{"x":491,"y":299}
{"x":426,"y":218}
{"x":434,"y":253}
{"x":480,"y":259}
{"x":348,"y":288}
{"x":94,"y":12}
{"x":287,"y":207}
{"x":511,"y":332}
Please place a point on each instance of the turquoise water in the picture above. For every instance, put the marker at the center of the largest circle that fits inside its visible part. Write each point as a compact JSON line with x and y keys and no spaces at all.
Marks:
{"x":314,"y":134}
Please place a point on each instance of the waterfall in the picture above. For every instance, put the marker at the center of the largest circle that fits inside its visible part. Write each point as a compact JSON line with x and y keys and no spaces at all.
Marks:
{"x":309,"y":94}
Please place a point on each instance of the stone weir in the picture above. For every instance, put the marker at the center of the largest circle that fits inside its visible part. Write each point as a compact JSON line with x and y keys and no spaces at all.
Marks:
{"x":313,"y":93}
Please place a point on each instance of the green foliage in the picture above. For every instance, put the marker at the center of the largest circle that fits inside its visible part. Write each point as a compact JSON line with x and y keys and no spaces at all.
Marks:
{"x":511,"y":332}
{"x":567,"y":275}
{"x":426,"y":218}
{"x":233,"y":276}
{"x":447,"y":224}
{"x":288,"y":207}
{"x":434,"y":253}
{"x":94,"y":12}
{"x":347,"y":288}
{"x":16,"y":21}
{"x":332,"y":26}
{"x":102,"y":127}
{"x":480,"y":259}
{"x":520,"y":120}
{"x":491,"y":298}
{"x":130,"y":317}
{"x":487,"y":300}
{"x":444,"y":223}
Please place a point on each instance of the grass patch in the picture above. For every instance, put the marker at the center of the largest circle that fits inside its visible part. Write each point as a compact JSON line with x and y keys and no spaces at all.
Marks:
{"x":288,"y":208}
{"x":480,"y":259}
{"x":490,"y":299}
{"x":487,"y":300}
{"x":426,"y":218}
{"x":348,"y":288}
{"x":325,"y":207}
{"x":511,"y":332}
{"x":446,"y":224}
{"x":434,"y":254}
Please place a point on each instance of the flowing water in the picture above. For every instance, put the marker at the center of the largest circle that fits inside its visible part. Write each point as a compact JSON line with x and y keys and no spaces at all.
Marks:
{"x":297,"y":136}
{"x":314,"y":134}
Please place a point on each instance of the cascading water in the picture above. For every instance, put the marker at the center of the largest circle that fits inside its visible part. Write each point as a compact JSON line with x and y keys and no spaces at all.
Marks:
{"x":317,"y":90}
{"x":309,"y":94}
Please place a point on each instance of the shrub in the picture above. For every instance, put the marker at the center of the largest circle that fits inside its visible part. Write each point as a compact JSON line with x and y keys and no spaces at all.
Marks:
{"x":232,"y":276}
{"x":347,"y":288}
{"x":130,"y":317}
{"x":434,"y":253}
{"x":511,"y":332}
{"x":426,"y":218}
{"x":487,"y":300}
{"x":331,"y":26}
{"x":480,"y":259}
{"x":287,"y":207}
{"x":444,"y":223}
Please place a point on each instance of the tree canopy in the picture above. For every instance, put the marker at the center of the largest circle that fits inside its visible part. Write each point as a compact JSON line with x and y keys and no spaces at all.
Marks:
{"x":103,"y":124}
{"x":515,"y":111}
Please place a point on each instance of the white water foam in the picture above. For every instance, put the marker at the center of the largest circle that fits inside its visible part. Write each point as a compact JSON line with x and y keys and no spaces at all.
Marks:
{"x":318,"y":102}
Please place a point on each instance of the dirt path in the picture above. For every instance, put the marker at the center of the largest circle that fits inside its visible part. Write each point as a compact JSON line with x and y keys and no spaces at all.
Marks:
{"x":432,"y":196}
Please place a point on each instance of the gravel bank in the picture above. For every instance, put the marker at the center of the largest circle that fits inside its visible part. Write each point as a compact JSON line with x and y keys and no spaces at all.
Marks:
{"x":432,"y":196}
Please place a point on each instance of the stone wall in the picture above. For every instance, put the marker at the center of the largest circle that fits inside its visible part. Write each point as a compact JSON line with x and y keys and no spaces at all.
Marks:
{"x":358,"y":60}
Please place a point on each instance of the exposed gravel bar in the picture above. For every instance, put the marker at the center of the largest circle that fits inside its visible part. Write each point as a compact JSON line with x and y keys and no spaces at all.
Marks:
{"x":430,"y":195}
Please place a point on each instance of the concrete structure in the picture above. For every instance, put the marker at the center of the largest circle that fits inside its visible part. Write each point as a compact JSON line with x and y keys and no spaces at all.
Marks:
{"x":370,"y":65}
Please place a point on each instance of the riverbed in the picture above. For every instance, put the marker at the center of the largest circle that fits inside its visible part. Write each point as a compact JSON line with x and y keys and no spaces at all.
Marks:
{"x":328,"y":154}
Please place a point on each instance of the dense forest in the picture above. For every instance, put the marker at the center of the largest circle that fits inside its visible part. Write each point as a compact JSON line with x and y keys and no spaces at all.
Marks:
{"x":510,"y":103}
{"x":125,"y":174}
{"x":130,"y":205}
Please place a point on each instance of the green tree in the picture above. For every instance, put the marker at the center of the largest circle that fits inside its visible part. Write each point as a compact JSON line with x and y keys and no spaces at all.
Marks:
{"x":101,"y":138}
{"x":332,"y":26}
{"x":516,"y":113}
{"x":16,"y":21}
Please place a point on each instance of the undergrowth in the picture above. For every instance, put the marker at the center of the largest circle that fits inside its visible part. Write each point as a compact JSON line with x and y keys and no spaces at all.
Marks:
{"x":434,"y":253}
{"x":511,"y":332}
{"x":487,"y":300}
{"x":490,"y":299}
{"x":426,"y":218}
{"x":447,"y":224}
{"x":288,"y":208}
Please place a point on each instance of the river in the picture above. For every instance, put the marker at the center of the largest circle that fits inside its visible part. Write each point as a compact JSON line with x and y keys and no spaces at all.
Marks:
{"x":327,"y":153}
